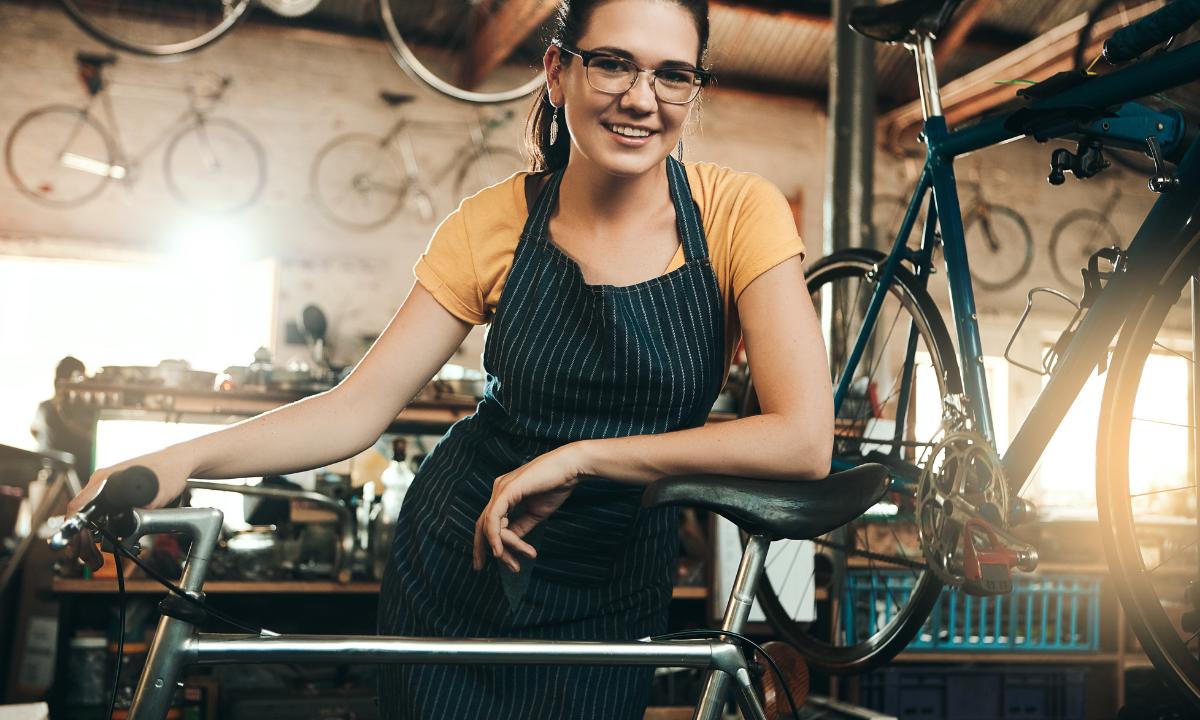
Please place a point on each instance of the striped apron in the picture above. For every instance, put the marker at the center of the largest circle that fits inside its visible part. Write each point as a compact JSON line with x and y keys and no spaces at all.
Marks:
{"x":565,"y":361}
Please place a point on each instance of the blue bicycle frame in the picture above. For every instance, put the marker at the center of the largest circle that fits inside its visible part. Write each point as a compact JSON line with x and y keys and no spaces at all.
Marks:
{"x":1174,"y":220}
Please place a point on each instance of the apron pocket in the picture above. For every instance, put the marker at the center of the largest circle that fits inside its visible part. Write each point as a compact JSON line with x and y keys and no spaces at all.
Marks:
{"x":584,"y":538}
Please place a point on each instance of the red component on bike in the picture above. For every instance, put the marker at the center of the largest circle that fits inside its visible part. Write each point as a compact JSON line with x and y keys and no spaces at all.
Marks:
{"x":986,"y":560}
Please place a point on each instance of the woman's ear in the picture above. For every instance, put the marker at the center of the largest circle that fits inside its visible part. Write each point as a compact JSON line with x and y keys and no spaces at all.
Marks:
{"x":552,"y":61}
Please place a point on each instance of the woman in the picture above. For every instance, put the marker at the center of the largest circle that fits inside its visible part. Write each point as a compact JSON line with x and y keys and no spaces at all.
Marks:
{"x":602,"y":366}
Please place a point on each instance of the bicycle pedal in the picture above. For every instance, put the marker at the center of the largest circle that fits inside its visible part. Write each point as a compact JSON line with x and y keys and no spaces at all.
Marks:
{"x":994,"y":579}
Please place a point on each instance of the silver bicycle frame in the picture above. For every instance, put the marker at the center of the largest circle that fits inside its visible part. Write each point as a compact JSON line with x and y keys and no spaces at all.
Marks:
{"x":177,"y":645}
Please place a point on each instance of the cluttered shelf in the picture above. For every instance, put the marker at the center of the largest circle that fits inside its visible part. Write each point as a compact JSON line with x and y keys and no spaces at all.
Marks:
{"x":73,"y":586}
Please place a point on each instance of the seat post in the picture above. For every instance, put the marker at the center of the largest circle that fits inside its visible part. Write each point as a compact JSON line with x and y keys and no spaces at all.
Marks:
{"x":741,"y":599}
{"x":931,"y":94}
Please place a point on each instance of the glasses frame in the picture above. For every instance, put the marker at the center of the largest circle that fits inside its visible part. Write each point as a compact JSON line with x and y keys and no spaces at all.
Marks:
{"x":703,"y":77}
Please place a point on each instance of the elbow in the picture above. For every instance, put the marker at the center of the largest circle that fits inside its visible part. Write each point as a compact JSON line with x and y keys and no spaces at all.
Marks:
{"x":810,"y":455}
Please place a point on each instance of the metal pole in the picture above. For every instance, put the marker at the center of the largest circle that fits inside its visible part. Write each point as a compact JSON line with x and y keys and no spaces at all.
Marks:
{"x":851,"y":134}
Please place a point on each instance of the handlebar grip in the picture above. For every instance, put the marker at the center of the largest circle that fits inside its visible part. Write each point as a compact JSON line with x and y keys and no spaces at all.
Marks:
{"x":1157,"y":27}
{"x":126,"y":489}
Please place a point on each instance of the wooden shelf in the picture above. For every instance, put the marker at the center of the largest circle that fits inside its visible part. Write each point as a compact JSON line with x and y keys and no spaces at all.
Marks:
{"x":105,"y":586}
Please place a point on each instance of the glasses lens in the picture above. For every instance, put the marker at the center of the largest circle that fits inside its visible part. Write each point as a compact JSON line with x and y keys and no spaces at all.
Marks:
{"x":610,"y":74}
{"x":676,"y":86}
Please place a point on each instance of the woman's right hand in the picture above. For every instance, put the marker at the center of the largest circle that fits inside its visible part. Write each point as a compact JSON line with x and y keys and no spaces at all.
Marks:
{"x":172,"y":481}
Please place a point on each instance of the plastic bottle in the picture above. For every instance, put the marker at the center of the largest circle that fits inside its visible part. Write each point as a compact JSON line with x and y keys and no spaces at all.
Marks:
{"x":396,"y":480}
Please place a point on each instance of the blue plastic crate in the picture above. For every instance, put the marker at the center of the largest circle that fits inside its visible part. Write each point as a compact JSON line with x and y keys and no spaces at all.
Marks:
{"x":1044,"y":613}
{"x":966,"y":692}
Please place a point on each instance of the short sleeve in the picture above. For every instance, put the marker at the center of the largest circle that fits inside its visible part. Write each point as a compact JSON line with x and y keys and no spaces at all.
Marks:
{"x":447,"y":270}
{"x":763,"y":233}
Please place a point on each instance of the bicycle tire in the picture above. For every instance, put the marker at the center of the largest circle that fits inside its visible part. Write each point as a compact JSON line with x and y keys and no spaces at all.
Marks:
{"x":354,"y":180}
{"x":1149,"y":596}
{"x":1100,"y":234}
{"x":227,"y":200}
{"x":976,"y":248}
{"x":85,"y":15}
{"x":491,"y":164}
{"x":903,"y":621}
{"x":40,"y":189}
{"x":439,"y":73}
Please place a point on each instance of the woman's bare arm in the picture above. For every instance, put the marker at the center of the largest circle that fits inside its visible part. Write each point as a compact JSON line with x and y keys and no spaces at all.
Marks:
{"x":323,"y":428}
{"x":792,"y":438}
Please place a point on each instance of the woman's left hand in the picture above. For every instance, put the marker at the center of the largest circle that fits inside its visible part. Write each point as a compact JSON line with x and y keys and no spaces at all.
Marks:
{"x":520,"y":500}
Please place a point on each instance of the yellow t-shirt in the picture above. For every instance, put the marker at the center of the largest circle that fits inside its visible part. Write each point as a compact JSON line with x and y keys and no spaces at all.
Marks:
{"x":747,"y":222}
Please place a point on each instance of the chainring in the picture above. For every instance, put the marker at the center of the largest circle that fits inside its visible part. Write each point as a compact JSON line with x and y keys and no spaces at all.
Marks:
{"x":962,"y":478}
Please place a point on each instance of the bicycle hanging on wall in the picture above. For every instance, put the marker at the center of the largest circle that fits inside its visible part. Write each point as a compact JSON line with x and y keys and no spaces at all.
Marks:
{"x":64,"y":155}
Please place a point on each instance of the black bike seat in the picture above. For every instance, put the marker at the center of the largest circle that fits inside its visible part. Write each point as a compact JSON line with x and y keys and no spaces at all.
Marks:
{"x":87,"y":58}
{"x":903,"y":20}
{"x":794,"y":509}
{"x":396,"y":99}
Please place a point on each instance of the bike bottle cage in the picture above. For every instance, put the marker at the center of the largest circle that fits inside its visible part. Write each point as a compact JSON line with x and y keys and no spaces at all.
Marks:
{"x":1094,"y":278}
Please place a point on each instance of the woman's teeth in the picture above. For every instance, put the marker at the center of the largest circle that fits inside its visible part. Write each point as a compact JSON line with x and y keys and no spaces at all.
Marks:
{"x":628,"y":131}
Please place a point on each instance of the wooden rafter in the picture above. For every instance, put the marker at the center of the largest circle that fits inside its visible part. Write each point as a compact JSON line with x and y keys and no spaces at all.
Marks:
{"x":961,"y":26}
{"x":495,"y":38}
{"x":978,"y":91}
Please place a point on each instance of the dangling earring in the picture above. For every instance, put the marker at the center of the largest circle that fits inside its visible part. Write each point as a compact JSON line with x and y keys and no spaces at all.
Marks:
{"x":679,"y":150}
{"x":554,"y":127}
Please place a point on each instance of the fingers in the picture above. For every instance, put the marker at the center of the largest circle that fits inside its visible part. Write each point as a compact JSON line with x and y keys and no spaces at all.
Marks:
{"x":512,"y":541}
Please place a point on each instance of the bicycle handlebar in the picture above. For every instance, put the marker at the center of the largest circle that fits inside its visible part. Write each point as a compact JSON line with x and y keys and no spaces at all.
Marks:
{"x":123,"y":491}
{"x":1157,"y":27}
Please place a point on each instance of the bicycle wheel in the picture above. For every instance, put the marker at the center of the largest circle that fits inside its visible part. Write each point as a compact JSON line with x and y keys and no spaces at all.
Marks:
{"x":487,"y":167}
{"x":60,"y":156}
{"x":155,"y":28}
{"x":1073,"y":239}
{"x":1146,"y":486}
{"x":880,"y":591}
{"x":358,"y":182}
{"x":1000,"y":246}
{"x":215,"y":165}
{"x":480,"y":52}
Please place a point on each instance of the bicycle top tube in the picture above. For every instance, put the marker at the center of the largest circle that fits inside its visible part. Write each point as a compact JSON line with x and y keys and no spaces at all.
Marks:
{"x":1055,"y":112}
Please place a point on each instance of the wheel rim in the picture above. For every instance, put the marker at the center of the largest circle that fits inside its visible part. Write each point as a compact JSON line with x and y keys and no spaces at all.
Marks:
{"x":215,"y":166}
{"x":432,"y":40}
{"x":58,"y":156}
{"x":1147,"y":489}
{"x":879,"y":589}
{"x":1073,"y":240}
{"x":358,"y":182}
{"x":150,"y":27}
{"x":1000,"y":247}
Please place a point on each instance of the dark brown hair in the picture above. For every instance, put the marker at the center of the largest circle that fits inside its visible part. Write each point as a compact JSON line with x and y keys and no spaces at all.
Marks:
{"x":573,"y":17}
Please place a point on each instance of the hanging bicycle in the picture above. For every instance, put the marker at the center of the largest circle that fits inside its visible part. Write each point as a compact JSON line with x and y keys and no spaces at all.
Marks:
{"x":64,"y":155}
{"x":361,"y":181}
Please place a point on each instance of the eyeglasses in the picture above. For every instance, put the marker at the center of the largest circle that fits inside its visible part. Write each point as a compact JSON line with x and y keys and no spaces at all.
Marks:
{"x":616,"y":75}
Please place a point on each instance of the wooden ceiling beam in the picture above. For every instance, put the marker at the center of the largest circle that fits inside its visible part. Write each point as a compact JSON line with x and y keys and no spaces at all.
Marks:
{"x":978,"y":92}
{"x":493,"y":41}
{"x":961,"y":25}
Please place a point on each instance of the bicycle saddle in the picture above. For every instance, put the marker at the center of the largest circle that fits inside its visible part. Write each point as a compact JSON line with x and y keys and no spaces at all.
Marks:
{"x":396,"y":99}
{"x":793,"y":509}
{"x":904,"y":20}
{"x":87,"y":58}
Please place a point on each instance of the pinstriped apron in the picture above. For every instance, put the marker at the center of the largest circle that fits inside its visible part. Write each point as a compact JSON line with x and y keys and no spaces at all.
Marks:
{"x":565,"y":361}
